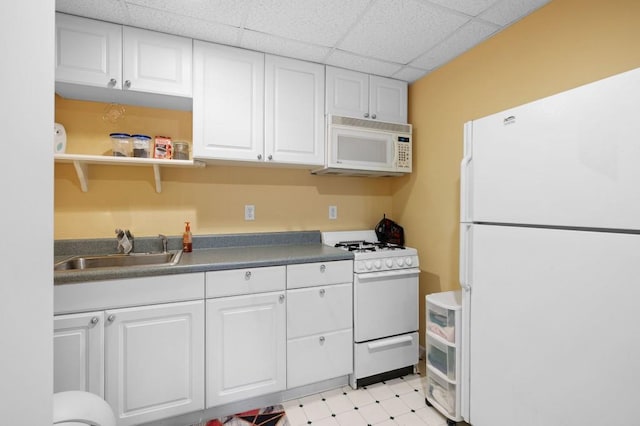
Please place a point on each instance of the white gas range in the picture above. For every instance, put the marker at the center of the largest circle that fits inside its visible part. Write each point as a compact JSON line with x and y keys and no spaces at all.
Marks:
{"x":385,"y":305}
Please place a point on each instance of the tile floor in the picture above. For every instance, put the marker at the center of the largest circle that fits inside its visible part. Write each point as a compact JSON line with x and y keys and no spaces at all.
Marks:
{"x":395,"y":402}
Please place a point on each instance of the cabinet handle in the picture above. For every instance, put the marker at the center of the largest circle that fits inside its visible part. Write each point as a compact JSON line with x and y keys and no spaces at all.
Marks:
{"x":270,"y":157}
{"x":323,"y":268}
{"x":95,"y":320}
{"x":113,"y":82}
{"x":127,"y":84}
{"x":322,"y":292}
{"x":281,"y":298}
{"x":321,"y":340}
{"x":111,"y":318}
{"x":247,"y":275}
{"x":366,"y":115}
{"x":259,"y":156}
{"x":373,"y":116}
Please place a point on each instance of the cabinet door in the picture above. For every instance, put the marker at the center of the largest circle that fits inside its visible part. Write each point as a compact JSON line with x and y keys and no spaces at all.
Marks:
{"x":228,"y":103}
{"x":156,"y":62}
{"x":388,"y":99}
{"x":347,"y":93}
{"x":154,"y":361}
{"x":246,"y":344}
{"x":294,"y":111}
{"x":88,"y":52}
{"x":78,"y":352}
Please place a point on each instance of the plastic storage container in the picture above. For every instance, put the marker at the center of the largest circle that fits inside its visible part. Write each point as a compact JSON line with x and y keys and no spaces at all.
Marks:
{"x":444,"y":353}
{"x":141,"y":146}
{"x":180,"y":151}
{"x":121,"y":144}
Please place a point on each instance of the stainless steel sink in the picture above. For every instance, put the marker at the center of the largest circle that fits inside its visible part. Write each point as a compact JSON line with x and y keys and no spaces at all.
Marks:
{"x":169,"y":258}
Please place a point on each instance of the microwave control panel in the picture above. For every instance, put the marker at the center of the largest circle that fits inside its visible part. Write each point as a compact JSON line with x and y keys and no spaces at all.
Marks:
{"x":404,"y":152}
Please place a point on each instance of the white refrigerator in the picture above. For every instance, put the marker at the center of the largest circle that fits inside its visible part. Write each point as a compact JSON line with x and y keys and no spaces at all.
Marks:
{"x":550,"y":260}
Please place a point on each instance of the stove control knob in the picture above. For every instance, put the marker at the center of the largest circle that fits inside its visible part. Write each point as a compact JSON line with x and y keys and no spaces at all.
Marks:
{"x":408,"y":261}
{"x":400,"y":261}
{"x":377,"y":264}
{"x":389,"y":263}
{"x":368,"y":265}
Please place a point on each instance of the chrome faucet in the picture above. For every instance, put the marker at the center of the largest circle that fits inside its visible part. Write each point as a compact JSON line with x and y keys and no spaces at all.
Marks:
{"x":125,"y":241}
{"x":164,"y":242}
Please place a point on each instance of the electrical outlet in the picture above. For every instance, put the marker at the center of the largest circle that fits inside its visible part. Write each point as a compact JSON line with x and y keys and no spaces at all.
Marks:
{"x":333,"y":212}
{"x":249,"y":212}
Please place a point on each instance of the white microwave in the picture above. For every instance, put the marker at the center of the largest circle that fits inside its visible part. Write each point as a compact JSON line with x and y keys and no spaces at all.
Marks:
{"x":361,"y":147}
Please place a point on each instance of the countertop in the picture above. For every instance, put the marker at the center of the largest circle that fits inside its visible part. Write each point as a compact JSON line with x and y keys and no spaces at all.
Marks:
{"x":210,"y":253}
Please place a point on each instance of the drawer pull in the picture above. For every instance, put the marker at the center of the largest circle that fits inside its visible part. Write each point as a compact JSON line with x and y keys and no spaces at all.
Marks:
{"x":323,"y":268}
{"x":247,"y":275}
{"x":390,"y":342}
{"x":281,"y":298}
{"x":322,"y":292}
{"x":321,"y":340}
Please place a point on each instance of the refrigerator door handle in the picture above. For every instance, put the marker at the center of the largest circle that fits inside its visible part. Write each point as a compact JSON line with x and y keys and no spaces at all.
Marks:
{"x":466,"y":233}
{"x":465,"y":166}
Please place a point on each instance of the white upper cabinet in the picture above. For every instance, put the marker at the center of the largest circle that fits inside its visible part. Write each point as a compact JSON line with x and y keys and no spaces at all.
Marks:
{"x":88,"y":52}
{"x":356,"y":94}
{"x":294,"y":111}
{"x":156,"y":62}
{"x":101,"y":61}
{"x":228,"y":103}
{"x":252,"y":108}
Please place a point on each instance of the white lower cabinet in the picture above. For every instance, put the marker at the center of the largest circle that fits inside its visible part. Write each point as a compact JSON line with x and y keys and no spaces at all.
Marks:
{"x":140,"y":346}
{"x":154,"y":361}
{"x":246,"y":335}
{"x":78,"y":352}
{"x":319,"y":322}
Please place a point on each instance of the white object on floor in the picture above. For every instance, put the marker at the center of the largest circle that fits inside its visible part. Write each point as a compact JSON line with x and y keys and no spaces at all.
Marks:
{"x":78,"y":408}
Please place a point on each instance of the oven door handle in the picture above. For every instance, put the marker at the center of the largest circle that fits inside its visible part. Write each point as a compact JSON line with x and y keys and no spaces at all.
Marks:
{"x":398,"y":273}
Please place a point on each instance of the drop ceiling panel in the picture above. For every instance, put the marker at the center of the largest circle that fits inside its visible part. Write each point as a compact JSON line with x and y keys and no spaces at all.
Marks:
{"x":350,"y":61}
{"x":462,"y":40}
{"x":468,"y":7}
{"x":405,"y":39}
{"x":508,"y":11}
{"x":322,"y":22}
{"x":400,"y":30}
{"x":284,"y":47}
{"x":185,"y":26}
{"x":221,"y":11}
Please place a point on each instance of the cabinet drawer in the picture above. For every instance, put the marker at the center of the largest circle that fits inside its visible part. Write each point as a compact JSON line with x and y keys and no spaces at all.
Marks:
{"x":321,"y":357}
{"x":320,"y":273}
{"x":441,"y":392}
{"x":441,"y":357}
{"x":441,"y":320}
{"x":245,"y":281}
{"x":319,"y":309}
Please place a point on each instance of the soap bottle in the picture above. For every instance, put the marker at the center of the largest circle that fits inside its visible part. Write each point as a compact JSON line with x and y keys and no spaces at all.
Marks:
{"x":187,"y":245}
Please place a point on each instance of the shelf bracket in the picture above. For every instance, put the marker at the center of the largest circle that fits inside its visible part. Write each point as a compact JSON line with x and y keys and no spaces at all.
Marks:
{"x":82,"y":170}
{"x":156,"y":176}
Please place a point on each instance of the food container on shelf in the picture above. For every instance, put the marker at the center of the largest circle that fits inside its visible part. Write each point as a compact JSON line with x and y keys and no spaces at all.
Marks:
{"x":180,"y":150}
{"x":121,"y":144}
{"x":162,"y":147}
{"x":141,"y":146}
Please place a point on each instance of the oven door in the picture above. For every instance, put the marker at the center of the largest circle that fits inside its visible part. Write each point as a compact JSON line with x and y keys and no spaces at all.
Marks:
{"x":385,"y":303}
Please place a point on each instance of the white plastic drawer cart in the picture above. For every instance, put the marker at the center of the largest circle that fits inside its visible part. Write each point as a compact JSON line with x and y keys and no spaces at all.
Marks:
{"x":444,"y":354}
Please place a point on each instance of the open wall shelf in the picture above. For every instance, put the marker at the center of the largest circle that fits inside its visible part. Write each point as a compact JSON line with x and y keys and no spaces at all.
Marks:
{"x":81,"y":164}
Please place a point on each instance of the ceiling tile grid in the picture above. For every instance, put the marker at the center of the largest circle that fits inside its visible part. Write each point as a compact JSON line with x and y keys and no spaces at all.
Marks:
{"x":403,"y":39}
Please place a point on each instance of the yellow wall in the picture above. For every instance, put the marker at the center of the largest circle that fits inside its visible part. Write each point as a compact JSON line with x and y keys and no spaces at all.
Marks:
{"x":212,"y":198}
{"x":565,"y":44}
